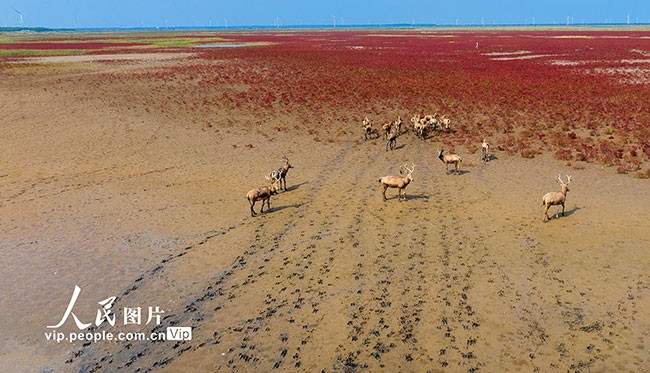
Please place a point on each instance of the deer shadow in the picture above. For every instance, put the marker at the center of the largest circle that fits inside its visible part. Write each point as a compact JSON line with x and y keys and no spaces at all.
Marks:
{"x":572,"y":211}
{"x":459,"y":172}
{"x":417,"y":196}
{"x":296,"y":186}
{"x":558,"y":212}
{"x":280,"y":208}
{"x":409,"y":197}
{"x":428,"y":136}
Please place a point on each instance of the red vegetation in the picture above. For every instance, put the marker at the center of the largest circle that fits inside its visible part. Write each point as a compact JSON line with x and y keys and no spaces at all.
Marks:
{"x":528,"y":92}
{"x":64,"y":46}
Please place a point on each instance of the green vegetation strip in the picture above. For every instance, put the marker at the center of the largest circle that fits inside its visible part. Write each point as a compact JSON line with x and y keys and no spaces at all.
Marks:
{"x":42,"y":52}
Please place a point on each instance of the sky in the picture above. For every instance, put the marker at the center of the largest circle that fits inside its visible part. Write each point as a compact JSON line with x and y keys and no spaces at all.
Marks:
{"x":198,"y":13}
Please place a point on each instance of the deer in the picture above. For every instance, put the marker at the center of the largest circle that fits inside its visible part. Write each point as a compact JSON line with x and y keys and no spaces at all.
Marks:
{"x":264,"y":193}
{"x":387,"y":128}
{"x":419,"y":128}
{"x":556,"y":198}
{"x":445,"y":123}
{"x":392,"y":140}
{"x":485,"y":151}
{"x":399,"y":182}
{"x":398,"y":125}
{"x":431,"y":120}
{"x":282,"y":171}
{"x":415,"y":121}
{"x":367,"y":128}
{"x":448,"y":159}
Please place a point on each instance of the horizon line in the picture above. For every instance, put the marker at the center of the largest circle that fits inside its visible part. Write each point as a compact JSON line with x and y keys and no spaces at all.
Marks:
{"x":321,"y":26}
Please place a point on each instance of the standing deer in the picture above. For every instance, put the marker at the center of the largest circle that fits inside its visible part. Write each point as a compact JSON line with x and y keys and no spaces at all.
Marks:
{"x":392,"y":140}
{"x":282,"y":171}
{"x":420,"y":127}
{"x":263,"y":193}
{"x":485,"y":151}
{"x":387,"y":128}
{"x":556,"y":198}
{"x":367,"y":128}
{"x":398,"y":182}
{"x":445,"y":123}
{"x":398,"y":125}
{"x":448,"y":159}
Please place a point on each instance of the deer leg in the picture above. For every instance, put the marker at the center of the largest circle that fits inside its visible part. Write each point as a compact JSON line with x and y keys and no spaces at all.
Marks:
{"x":252,"y":205}
{"x":546,"y":212}
{"x":562,"y":208}
{"x":384,"y":192}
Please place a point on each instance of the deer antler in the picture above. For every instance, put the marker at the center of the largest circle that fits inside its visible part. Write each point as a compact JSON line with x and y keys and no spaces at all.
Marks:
{"x":411,"y":169}
{"x":568,"y":177}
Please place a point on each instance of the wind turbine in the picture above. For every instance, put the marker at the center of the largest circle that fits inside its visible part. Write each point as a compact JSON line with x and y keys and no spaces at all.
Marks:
{"x":19,"y":15}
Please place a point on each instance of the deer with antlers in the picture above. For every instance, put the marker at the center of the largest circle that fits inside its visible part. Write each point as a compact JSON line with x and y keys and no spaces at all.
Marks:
{"x":282,"y":173}
{"x":556,"y":198}
{"x":264,"y":193}
{"x":399,"y":182}
{"x":448,"y":159}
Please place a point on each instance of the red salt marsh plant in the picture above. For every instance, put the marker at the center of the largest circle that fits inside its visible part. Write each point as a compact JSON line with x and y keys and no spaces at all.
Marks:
{"x":325,"y":81}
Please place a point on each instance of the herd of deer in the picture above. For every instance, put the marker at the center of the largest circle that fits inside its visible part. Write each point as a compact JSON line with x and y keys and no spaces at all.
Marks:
{"x":391,"y":131}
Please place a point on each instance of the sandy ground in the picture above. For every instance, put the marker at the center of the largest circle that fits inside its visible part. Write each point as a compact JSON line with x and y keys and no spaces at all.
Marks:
{"x":462,"y":276}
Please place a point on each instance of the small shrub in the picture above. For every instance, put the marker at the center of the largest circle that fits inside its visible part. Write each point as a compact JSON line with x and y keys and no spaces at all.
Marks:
{"x":563,"y":154}
{"x":527,"y":153}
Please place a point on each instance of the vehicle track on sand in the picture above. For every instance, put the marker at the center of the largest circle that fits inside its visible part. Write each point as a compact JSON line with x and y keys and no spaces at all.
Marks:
{"x":335,"y":279}
{"x":343,"y":281}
